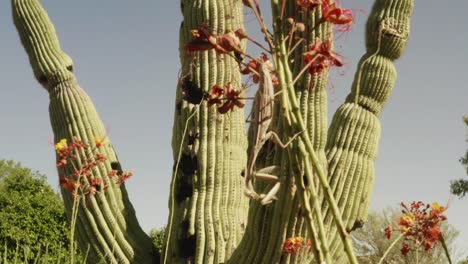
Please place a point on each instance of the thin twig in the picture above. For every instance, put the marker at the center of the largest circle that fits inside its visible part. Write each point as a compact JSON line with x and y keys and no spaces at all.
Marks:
{"x":390,"y":248}
{"x":295,"y":46}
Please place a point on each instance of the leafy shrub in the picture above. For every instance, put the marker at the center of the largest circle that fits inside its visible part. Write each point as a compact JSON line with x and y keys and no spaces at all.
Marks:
{"x":32,"y":217}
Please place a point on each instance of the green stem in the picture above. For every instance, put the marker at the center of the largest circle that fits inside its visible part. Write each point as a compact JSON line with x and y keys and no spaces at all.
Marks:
{"x":176,"y":172}
{"x":390,"y":248}
{"x":444,"y":245}
{"x":285,"y":77}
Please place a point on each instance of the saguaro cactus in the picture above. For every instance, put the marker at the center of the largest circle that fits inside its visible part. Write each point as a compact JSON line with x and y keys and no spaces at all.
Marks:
{"x":345,"y":153}
{"x":325,"y":176}
{"x":106,"y":222}
{"x":207,"y":207}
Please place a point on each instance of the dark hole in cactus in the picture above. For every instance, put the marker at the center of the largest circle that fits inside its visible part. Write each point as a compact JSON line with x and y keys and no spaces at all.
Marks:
{"x":306,"y":183}
{"x":243,"y":173}
{"x":184,"y":188}
{"x":187,"y":246}
{"x":238,"y":56}
{"x":42,"y":79}
{"x":191,"y":92}
{"x":357,"y":224}
{"x":188,"y":164}
{"x":184,"y":227}
{"x":70,"y":68}
{"x":191,"y":138}
{"x":116,"y":166}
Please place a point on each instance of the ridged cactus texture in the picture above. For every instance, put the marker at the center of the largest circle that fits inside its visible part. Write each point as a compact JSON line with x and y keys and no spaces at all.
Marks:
{"x":345,"y":151}
{"x":208,"y":209}
{"x":355,"y":129}
{"x":106,"y":221}
{"x":326,"y":174}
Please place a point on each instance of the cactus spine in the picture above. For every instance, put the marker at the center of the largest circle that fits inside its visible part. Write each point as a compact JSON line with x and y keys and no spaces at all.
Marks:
{"x":106,"y":221}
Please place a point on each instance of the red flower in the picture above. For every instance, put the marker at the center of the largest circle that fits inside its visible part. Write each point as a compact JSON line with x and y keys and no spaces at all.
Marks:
{"x":61,"y":163}
{"x":69,"y":184}
{"x":321,"y":56}
{"x":255,"y":65}
{"x":214,"y":96}
{"x":100,"y":157}
{"x":420,"y":225}
{"x":123,"y":177}
{"x":232,"y":97}
{"x":308,"y":4}
{"x":92,"y":190}
{"x":203,"y":39}
{"x":229,"y":42}
{"x":112,"y":173}
{"x":294,"y":244}
{"x":388,"y":232}
{"x":198,"y":45}
{"x":405,"y":249}
{"x":96,"y":181}
{"x":432,"y":233}
{"x":407,"y":221}
{"x":336,"y":15}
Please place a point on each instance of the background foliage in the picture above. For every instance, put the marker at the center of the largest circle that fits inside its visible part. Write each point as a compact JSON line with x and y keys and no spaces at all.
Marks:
{"x":370,"y":242}
{"x":460,"y":187}
{"x":32,"y":217}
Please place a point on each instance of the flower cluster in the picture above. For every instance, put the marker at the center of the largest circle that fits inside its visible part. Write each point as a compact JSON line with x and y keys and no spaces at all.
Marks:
{"x":336,"y":15}
{"x":227,"y":96}
{"x":82,"y":178}
{"x":320,"y":56}
{"x":294,"y":244}
{"x":331,"y":12}
{"x":203,"y":39}
{"x":254,"y":65}
{"x":420,"y":225}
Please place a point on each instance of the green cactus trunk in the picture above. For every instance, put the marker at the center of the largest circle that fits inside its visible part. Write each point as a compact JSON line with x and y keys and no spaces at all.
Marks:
{"x":346,"y":154}
{"x":208,"y":209}
{"x":105,"y":222}
{"x":270,"y":226}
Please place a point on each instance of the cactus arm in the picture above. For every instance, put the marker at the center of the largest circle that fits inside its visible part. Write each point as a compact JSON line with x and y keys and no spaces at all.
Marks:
{"x":105,"y":221}
{"x":355,"y":130}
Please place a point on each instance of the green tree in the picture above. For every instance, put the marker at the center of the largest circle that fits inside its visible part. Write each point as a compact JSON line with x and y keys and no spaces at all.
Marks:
{"x":32,"y":215}
{"x":370,"y":242}
{"x":460,"y":187}
{"x":157,"y":235}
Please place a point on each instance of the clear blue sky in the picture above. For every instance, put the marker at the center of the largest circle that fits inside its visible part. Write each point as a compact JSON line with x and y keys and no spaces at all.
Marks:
{"x":126,"y":58}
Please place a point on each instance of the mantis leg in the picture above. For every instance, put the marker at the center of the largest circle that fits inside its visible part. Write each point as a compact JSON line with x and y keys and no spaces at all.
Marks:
{"x":270,"y":196}
{"x":277,"y":140}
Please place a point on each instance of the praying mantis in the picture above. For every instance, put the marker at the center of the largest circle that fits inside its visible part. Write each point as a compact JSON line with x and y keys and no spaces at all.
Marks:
{"x":262,"y":113}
